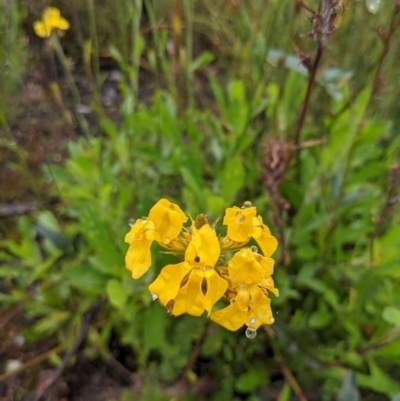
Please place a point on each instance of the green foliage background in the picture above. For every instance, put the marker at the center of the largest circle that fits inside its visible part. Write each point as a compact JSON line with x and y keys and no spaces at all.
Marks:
{"x":234,"y":82}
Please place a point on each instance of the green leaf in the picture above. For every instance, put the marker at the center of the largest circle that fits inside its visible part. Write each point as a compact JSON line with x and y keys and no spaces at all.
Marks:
{"x":232,"y":179}
{"x":391,"y":315}
{"x":86,"y":279}
{"x":28,"y":250}
{"x":216,"y":205}
{"x":320,"y":318}
{"x":378,"y":380}
{"x":97,"y":232}
{"x":154,"y":326}
{"x":285,"y":393}
{"x":193,"y":184}
{"x":204,"y":59}
{"x":117,"y":293}
{"x":55,"y":359}
{"x":50,"y":323}
{"x":250,"y":380}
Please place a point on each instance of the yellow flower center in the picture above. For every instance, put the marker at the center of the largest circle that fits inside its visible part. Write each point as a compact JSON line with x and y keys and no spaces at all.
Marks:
{"x":206,"y":271}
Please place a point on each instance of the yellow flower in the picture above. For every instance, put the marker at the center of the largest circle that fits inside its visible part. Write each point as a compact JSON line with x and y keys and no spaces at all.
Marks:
{"x":253,"y":310}
{"x":243,"y":224}
{"x":163,"y":225}
{"x":263,"y":237}
{"x":51,"y":19}
{"x":250,"y":278}
{"x":247,"y":266}
{"x":184,"y":282}
{"x":204,"y":276}
{"x":140,"y":238}
{"x":239,"y":222}
{"x":168,"y":220}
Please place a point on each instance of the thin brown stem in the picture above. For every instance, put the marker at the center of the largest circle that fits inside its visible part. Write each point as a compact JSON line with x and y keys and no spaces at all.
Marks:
{"x":390,"y":202}
{"x":190,"y":364}
{"x":323,"y":25}
{"x":386,"y":38}
{"x":286,"y":372}
{"x":306,"y":101}
{"x":5,"y":319}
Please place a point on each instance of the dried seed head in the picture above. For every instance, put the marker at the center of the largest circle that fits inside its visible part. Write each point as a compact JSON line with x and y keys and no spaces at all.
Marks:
{"x":324,"y":21}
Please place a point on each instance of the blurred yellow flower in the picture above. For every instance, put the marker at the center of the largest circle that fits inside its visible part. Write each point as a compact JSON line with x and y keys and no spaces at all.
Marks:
{"x":51,"y":19}
{"x":183,"y":282}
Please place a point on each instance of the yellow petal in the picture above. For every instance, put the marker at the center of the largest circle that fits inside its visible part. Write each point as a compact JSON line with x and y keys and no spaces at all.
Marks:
{"x":262,"y":235}
{"x":138,"y":257}
{"x":53,"y":19}
{"x":63,"y":24}
{"x":244,"y":267}
{"x":216,"y":288}
{"x":140,"y":237}
{"x":142,"y":228}
{"x":190,"y":298}
{"x":168,"y":219}
{"x":260,"y":313}
{"x":239,"y":222}
{"x":41,"y":29}
{"x":166,"y":286}
{"x":267,"y":264}
{"x":231,"y":317}
{"x":203,"y":250}
{"x":134,"y":230}
{"x":51,"y":14}
{"x":268,"y":283}
{"x":243,"y":299}
{"x":255,"y":293}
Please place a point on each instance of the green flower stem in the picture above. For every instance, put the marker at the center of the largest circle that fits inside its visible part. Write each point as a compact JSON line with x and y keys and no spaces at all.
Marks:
{"x":68,"y":76}
{"x":136,"y":51}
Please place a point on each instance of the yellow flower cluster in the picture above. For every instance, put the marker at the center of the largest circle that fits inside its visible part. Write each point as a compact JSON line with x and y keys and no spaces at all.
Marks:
{"x":51,"y":20}
{"x":205,"y":275}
